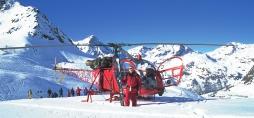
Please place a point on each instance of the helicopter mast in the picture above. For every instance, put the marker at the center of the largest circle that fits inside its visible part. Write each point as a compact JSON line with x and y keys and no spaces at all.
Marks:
{"x":116,"y":49}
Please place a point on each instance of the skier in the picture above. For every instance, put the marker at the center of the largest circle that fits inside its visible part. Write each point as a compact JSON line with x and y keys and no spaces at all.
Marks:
{"x":132,"y":83}
{"x":78,"y":91}
{"x":30,"y":94}
{"x":49,"y":93}
{"x":61,"y":92}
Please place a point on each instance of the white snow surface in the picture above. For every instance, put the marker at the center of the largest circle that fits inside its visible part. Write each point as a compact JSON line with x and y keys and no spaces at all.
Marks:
{"x":176,"y":103}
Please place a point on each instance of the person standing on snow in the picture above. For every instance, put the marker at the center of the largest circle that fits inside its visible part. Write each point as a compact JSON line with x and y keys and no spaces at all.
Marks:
{"x":69,"y":93}
{"x":72,"y":92}
{"x":78,"y":91}
{"x":61,"y":92}
{"x":30,"y":94}
{"x":132,"y":83}
{"x":85,"y":91}
{"x":49,"y":93}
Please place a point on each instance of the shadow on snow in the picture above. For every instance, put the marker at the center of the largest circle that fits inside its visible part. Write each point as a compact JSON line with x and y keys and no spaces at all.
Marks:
{"x":165,"y":100}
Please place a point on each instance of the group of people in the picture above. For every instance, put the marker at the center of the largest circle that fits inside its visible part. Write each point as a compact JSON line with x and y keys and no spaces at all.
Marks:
{"x":71,"y":92}
{"x":51,"y":94}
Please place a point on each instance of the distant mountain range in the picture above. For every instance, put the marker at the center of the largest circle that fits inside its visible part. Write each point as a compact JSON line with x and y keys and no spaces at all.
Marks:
{"x":205,"y":72}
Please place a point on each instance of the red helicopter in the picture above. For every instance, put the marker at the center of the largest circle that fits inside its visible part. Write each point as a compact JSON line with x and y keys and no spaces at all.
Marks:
{"x":107,"y":72}
{"x":108,"y":78}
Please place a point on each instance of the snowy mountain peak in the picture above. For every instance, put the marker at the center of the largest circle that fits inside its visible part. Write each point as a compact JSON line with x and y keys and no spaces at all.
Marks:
{"x":161,"y":50}
{"x":139,"y":50}
{"x":91,"y":49}
{"x":21,"y":26}
{"x":16,"y":24}
{"x":230,"y":50}
{"x":46,"y":30}
{"x":176,"y":50}
{"x":90,"y":40}
{"x":235,"y":43}
{"x":167,"y":51}
{"x":25,"y":26}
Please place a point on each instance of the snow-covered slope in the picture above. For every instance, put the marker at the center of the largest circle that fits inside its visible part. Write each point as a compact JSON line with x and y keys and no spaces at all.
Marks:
{"x":248,"y":78}
{"x":18,"y":75}
{"x":238,"y":59}
{"x":224,"y":67}
{"x":203,"y":74}
{"x":25,"y":26}
{"x":32,"y":68}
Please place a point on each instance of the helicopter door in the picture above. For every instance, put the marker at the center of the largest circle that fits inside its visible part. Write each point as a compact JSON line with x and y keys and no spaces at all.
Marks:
{"x":171,"y":71}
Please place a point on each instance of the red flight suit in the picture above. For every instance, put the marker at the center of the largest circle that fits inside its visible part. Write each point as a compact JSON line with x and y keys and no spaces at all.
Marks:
{"x":132,"y":83}
{"x":78,"y":91}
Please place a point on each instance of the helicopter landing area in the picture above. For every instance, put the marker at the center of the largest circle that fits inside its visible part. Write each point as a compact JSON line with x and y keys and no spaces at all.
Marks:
{"x":68,"y":107}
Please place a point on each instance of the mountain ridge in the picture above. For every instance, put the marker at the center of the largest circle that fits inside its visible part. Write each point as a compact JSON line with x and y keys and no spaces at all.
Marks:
{"x":90,"y":41}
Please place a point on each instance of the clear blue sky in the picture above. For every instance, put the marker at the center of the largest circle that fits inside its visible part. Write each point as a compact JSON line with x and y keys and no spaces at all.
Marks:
{"x":130,"y":21}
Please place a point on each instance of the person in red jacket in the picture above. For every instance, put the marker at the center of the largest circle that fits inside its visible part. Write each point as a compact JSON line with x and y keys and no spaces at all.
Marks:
{"x":78,"y":91}
{"x":132,"y":83}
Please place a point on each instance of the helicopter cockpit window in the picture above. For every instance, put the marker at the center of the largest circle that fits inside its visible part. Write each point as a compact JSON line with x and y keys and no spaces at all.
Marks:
{"x":148,"y":78}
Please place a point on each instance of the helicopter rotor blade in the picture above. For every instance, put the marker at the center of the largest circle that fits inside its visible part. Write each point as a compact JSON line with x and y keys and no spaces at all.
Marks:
{"x":197,"y":44}
{"x":118,"y":45}
{"x":50,"y":46}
